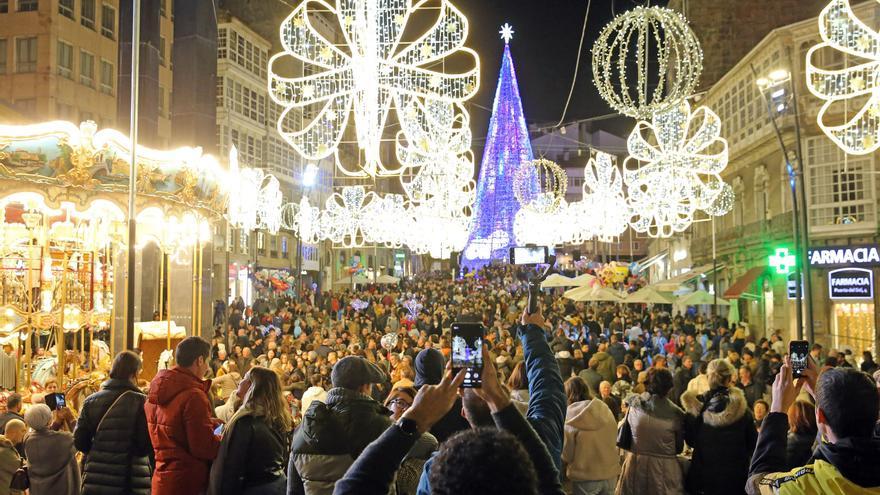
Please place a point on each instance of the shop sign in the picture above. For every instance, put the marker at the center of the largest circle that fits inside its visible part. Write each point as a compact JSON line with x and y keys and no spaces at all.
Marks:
{"x":845,"y":255}
{"x":791,"y":285}
{"x":851,"y":283}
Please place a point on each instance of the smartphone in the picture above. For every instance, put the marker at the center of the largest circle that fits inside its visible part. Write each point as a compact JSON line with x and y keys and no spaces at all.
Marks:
{"x":529,"y":255}
{"x":467,"y":352}
{"x":218,"y":430}
{"x":798,"y":352}
{"x":56,"y":401}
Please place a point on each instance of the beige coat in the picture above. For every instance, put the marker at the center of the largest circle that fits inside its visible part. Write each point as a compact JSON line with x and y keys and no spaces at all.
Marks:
{"x":658,"y":436}
{"x":9,"y":464}
{"x":589,"y":446}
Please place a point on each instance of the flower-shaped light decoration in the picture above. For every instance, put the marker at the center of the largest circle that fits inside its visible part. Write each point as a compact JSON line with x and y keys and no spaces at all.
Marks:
{"x":604,"y":206}
{"x":412,"y":306}
{"x":546,"y":228}
{"x":852,"y":91}
{"x":437,"y":231}
{"x":380,"y":224}
{"x":255,"y":198}
{"x":343,"y":217}
{"x":372,"y":68}
{"x":668,"y":182}
{"x":307,"y":221}
{"x":435,"y":142}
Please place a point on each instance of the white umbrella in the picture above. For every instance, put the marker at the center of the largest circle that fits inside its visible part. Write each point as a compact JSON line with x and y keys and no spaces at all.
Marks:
{"x":699,"y":297}
{"x":557,"y":280}
{"x":358,"y":279}
{"x":593,"y":294}
{"x":387,"y":279}
{"x":649,"y":295}
{"x":583,"y":280}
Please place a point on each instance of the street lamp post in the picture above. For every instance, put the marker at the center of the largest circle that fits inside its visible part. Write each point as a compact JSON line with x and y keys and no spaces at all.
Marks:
{"x":778,"y":102}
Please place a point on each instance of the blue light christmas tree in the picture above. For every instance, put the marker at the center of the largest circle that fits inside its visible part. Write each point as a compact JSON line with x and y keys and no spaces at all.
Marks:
{"x":507,"y":150}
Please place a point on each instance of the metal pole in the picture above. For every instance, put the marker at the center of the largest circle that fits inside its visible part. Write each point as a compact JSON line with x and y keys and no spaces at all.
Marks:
{"x":803,"y":254}
{"x":714,"y":274}
{"x":132,"y":176}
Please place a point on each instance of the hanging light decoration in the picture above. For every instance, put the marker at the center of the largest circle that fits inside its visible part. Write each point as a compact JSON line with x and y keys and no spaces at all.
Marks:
{"x":369,"y":71}
{"x":680,"y":174}
{"x":540,"y":186}
{"x":605,"y":210}
{"x":653,"y":34}
{"x":255,"y":198}
{"x":343,"y":218}
{"x":855,"y":88}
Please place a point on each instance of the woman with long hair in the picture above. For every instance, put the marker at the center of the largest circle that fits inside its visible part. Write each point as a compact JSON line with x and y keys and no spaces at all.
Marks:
{"x":253,"y":452}
{"x":802,"y":431}
{"x":518,"y":383}
{"x":589,"y":449}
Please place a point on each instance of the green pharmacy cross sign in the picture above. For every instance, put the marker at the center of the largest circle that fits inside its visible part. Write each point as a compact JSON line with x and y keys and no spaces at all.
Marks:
{"x":782,"y":261}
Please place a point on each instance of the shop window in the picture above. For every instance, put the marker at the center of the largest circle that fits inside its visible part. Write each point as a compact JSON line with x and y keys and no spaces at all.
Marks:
{"x":853,"y":326}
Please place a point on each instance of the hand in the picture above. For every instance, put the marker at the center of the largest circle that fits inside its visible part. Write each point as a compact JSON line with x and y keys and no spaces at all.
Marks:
{"x":785,"y":391}
{"x":492,"y":392}
{"x":434,"y":401}
{"x":810,"y":377}
{"x":532,"y":319}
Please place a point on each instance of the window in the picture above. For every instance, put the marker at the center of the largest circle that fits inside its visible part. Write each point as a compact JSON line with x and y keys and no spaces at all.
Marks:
{"x":28,"y":5}
{"x":65,"y":60}
{"x":284,"y":251}
{"x":221,"y":43}
{"x":162,"y":106}
{"x":65,"y":8}
{"x":26,"y":54}
{"x":261,"y":245}
{"x":106,"y":77}
{"x":162,"y":51}
{"x":3,"y":56}
{"x":108,"y":21}
{"x":87,"y":14}
{"x":841,"y":193}
{"x":87,"y":69}
{"x":4,"y":6}
{"x":243,"y":242}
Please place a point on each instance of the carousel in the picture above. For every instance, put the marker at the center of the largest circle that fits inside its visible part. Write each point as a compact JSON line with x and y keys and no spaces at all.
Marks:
{"x":63,"y":243}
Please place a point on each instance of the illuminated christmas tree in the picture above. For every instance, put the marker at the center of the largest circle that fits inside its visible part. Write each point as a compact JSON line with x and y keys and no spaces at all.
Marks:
{"x":507,"y":150}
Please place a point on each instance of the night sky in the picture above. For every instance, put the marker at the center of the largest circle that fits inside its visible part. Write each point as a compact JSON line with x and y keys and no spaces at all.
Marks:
{"x":544,"y":50}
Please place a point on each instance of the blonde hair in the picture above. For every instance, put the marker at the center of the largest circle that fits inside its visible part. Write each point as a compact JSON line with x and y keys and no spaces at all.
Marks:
{"x":265,"y":398}
{"x":719,"y":372}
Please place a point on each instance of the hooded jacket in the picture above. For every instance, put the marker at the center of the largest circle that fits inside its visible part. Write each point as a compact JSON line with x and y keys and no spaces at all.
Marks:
{"x":589,"y":446}
{"x":720,"y":417}
{"x":846,"y":467}
{"x":429,"y":365}
{"x":181,"y":429}
{"x":606,"y":366}
{"x":332,"y":435}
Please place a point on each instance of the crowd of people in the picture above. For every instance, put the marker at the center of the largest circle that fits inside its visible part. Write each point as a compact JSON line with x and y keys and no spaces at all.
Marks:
{"x":353,"y":392}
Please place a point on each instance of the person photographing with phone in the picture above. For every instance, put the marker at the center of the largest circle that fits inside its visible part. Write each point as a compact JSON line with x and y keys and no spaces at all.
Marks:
{"x":846,"y":460}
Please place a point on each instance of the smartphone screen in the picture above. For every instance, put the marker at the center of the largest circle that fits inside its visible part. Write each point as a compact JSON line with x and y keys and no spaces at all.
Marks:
{"x":529,"y":255}
{"x":55,"y":401}
{"x":467,"y":352}
{"x":218,"y":430}
{"x":799,"y":352}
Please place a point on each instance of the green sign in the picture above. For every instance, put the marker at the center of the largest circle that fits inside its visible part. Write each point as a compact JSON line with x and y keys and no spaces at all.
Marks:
{"x":783,"y":261}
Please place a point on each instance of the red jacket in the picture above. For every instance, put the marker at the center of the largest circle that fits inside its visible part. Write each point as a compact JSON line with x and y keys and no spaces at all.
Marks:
{"x":181,"y":429}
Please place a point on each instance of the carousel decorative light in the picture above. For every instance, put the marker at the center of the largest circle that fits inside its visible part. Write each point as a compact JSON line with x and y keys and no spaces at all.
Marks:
{"x":679,"y":60}
{"x":540,"y":186}
{"x":605,"y":209}
{"x":680,"y":174}
{"x":364,"y":75}
{"x":854,"y":85}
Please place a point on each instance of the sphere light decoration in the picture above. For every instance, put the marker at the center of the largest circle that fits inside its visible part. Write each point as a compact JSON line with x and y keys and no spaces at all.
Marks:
{"x":653,"y":34}
{"x":371,"y":72}
{"x":677,"y":171}
{"x":540,"y":186}
{"x":854,"y":90}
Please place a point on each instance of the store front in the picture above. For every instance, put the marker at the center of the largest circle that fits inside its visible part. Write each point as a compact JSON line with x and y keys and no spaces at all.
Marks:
{"x":847,"y":274}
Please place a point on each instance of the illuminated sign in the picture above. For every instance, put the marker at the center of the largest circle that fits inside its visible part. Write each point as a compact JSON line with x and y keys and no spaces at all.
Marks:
{"x":782,"y":261}
{"x":851,"y":283}
{"x":845,"y":255}
{"x":792,"y":286}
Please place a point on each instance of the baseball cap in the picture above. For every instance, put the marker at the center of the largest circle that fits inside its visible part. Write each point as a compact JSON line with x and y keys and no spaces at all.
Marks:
{"x":352,"y":372}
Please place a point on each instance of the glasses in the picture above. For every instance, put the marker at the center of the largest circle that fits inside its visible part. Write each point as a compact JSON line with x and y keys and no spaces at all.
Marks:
{"x":399,"y":403}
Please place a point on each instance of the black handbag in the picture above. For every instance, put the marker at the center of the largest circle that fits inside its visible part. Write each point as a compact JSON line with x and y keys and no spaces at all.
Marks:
{"x":625,"y":434}
{"x":20,"y":480}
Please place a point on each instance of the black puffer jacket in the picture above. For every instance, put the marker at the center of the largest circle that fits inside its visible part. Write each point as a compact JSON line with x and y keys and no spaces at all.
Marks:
{"x":252,"y":453}
{"x":117,"y":457}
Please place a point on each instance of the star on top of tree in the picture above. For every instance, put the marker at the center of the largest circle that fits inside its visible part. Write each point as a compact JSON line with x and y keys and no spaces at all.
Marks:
{"x":506,"y":33}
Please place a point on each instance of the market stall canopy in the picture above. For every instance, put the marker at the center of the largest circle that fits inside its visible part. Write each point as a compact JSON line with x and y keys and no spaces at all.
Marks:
{"x":650,"y":295}
{"x":386,"y":279}
{"x":593,"y":294}
{"x":699,"y":297}
{"x":739,"y":287}
{"x":583,"y":280}
{"x":557,"y":280}
{"x":358,"y":279}
{"x":672,"y":284}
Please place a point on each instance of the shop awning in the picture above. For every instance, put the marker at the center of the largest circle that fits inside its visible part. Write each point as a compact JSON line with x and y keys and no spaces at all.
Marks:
{"x":672,"y":284}
{"x":743,"y":282}
{"x":646,"y":263}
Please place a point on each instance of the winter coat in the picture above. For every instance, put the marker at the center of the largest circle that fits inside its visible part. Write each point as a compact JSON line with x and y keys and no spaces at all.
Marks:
{"x":116,"y":458}
{"x":799,"y":449}
{"x":252,"y":453}
{"x":181,"y":429}
{"x":9,"y":463}
{"x":592,"y":378}
{"x":332,"y":434}
{"x":52,"y":468}
{"x":606,"y":366}
{"x":720,"y":417}
{"x":652,"y":466}
{"x":590,"y":449}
